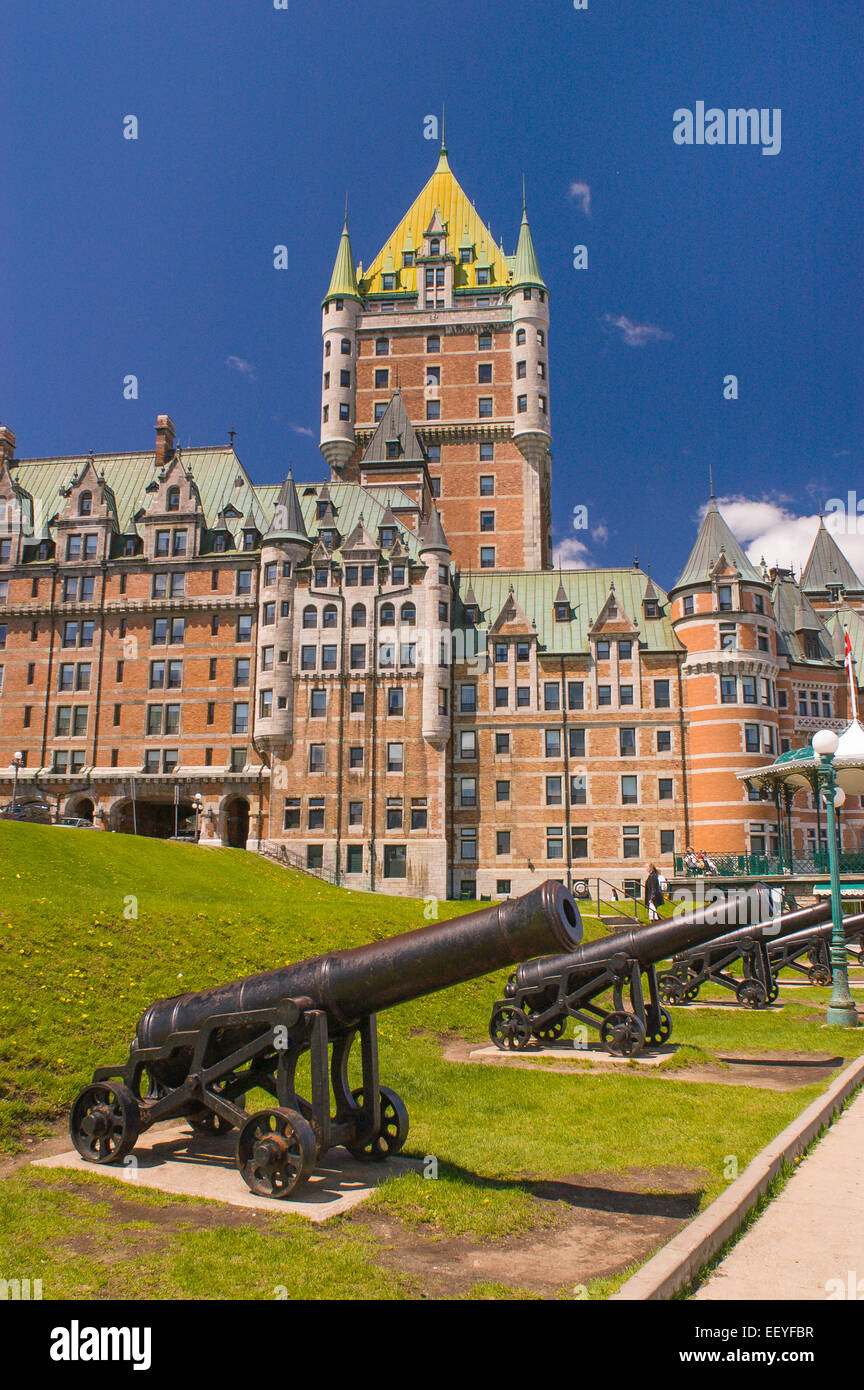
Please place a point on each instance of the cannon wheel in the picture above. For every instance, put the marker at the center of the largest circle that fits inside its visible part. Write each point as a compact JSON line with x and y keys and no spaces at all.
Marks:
{"x":819,"y":975}
{"x":551,"y":1032}
{"x":663,"y":1032}
{"x":509,"y":1028}
{"x":622,"y":1033}
{"x":105,"y":1122}
{"x":751,"y":994}
{"x":276,"y":1152}
{"x":671,"y":989}
{"x":393,"y":1130}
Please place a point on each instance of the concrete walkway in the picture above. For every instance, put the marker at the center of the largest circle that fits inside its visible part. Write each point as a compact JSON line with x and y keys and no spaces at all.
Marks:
{"x":811,"y":1234}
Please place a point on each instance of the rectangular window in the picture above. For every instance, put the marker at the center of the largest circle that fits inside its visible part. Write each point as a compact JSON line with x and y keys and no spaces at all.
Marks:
{"x":551,"y":695}
{"x":467,"y":744}
{"x":419,"y":813}
{"x":468,"y":698}
{"x":576,"y":694}
{"x":664,"y":741}
{"x":502,"y":743}
{"x":487,"y":485}
{"x":625,"y":694}
{"x":578,"y":790}
{"x":627,"y":743}
{"x":394,"y":757}
{"x":553,"y":791}
{"x":748,"y":690}
{"x":523,"y":696}
{"x":665,"y":789}
{"x":728,"y":690}
{"x":395,"y":862}
{"x":355,"y":757}
{"x":629,"y":791}
{"x":604,"y":695}
{"x":576,"y":743}
{"x":468,"y":791}
{"x":502,"y":791}
{"x":240,"y":722}
{"x":630,"y":842}
{"x":487,"y":557}
{"x":355,"y":812}
{"x":501,"y":696}
{"x":316,"y":757}
{"x":667,"y":841}
{"x":468,"y":843}
{"x":502,"y":842}
{"x":554,"y":842}
{"x":552,"y":743}
{"x":662,"y":698}
{"x":579,"y":841}
{"x":354,"y":859}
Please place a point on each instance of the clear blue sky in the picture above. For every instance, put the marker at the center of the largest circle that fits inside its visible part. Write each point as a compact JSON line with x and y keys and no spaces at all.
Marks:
{"x":154,"y":257}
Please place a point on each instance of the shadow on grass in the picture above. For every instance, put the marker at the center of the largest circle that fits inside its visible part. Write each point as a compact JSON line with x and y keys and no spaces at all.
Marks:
{"x":626,"y":1201}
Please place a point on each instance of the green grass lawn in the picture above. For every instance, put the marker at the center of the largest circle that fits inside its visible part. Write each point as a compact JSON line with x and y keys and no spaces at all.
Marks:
{"x":94,"y":927}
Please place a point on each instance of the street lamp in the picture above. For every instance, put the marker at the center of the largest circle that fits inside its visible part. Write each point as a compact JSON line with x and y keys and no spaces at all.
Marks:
{"x":841,"y":1010}
{"x":198,"y":803}
{"x":17,"y":760}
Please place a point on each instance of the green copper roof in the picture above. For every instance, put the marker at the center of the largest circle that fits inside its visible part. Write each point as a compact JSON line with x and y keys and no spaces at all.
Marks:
{"x":343,"y":281}
{"x":714,"y":536}
{"x":828,"y":565}
{"x":536,"y":593}
{"x":526,"y":269}
{"x":795,"y":615}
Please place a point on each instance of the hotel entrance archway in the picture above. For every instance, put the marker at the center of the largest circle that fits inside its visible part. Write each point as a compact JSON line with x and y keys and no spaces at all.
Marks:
{"x":237,"y":822}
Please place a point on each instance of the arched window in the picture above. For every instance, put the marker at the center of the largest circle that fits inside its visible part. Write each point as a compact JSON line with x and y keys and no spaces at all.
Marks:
{"x":85,"y":504}
{"x":388,"y":615}
{"x":327,"y":348}
{"x":310,"y":616}
{"x":520,"y":335}
{"x":331,"y":615}
{"x":346,"y":345}
{"x":358,"y":615}
{"x":408,"y":614}
{"x":173,"y":499}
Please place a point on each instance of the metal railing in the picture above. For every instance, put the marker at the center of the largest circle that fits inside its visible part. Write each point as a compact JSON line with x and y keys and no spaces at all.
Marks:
{"x":280,"y":855}
{"x":768,"y":865}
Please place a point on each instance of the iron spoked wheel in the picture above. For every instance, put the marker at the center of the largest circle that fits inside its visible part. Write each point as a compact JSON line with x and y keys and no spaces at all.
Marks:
{"x":819,"y":975}
{"x":276,"y":1152}
{"x":663,"y":1032}
{"x":105,"y":1122}
{"x":509,"y":1028}
{"x":671,"y":989}
{"x":392,"y":1131}
{"x":551,"y":1032}
{"x":751,"y":994}
{"x":622,"y":1033}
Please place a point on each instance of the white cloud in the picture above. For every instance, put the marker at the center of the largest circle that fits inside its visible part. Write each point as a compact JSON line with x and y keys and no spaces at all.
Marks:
{"x":301,"y":429}
{"x":600,"y":533}
{"x":572,"y":554}
{"x":239,"y":364}
{"x":636,"y":335}
{"x":581,"y":193}
{"x":769,"y":528}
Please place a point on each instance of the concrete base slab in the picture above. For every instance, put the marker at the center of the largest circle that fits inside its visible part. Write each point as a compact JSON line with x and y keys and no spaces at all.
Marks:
{"x":172,"y":1158}
{"x":567,"y":1052}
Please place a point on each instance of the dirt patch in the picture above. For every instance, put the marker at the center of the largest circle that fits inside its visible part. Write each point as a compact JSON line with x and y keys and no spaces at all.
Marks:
{"x":612,"y":1223}
{"x":776,"y":1071}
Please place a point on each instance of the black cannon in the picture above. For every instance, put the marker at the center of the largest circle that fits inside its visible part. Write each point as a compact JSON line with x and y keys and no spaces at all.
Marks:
{"x":198,"y":1055}
{"x":791,"y":952}
{"x":543,"y":994}
{"x":711,"y":961}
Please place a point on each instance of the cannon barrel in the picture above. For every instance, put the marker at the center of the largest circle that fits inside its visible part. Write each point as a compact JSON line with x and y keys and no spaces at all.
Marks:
{"x":772,"y":928}
{"x":852,"y":926}
{"x":661,"y":940}
{"x":366,"y":979}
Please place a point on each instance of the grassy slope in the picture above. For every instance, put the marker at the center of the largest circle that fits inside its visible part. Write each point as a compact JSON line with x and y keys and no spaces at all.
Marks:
{"x":75,"y":974}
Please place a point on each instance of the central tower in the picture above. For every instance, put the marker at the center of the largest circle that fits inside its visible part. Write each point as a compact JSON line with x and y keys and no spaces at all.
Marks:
{"x":460,"y":328}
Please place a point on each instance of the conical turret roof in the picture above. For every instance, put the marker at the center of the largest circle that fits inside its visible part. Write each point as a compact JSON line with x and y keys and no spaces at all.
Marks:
{"x":526,"y":268}
{"x":343,"y":281}
{"x":431,"y":533}
{"x":287,"y":523}
{"x":827,"y":565}
{"x":714,"y":536}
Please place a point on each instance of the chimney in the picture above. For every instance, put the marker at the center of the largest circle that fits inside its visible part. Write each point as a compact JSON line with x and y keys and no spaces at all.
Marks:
{"x":164,"y":439}
{"x":7,"y":444}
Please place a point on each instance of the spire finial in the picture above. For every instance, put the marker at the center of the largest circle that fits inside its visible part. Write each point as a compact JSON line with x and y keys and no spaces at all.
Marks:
{"x":711,"y":480}
{"x":346,"y":207}
{"x":232,"y":433}
{"x":443,"y":119}
{"x":636,"y":560}
{"x":524,"y":198}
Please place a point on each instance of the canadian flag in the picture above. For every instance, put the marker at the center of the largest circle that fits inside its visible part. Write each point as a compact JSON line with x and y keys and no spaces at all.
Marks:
{"x":850,"y":670}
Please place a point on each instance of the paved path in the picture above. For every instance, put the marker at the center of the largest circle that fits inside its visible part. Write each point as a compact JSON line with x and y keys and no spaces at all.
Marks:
{"x":812,"y":1233}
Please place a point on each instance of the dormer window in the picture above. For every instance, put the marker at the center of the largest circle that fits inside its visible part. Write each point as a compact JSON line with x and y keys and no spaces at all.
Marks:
{"x":435,"y":247}
{"x":835,"y":592}
{"x":483,"y":277}
{"x":466,"y":255}
{"x":250,"y":540}
{"x":321,"y":510}
{"x":562,"y":612}
{"x":85,"y":504}
{"x":388,"y":282}
{"x":471,"y":613}
{"x":388,"y":535}
{"x":652,"y":608}
{"x":407,"y":258}
{"x":393,"y":448}
{"x":328,"y":536}
{"x":172,"y":501}
{"x":724,"y":598}
{"x":220,"y":542}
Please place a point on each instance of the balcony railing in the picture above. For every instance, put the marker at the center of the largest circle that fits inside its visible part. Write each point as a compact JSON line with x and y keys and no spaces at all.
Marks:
{"x":769,"y":865}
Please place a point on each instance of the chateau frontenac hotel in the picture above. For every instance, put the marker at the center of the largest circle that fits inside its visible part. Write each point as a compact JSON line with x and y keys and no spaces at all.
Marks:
{"x":383,"y":673}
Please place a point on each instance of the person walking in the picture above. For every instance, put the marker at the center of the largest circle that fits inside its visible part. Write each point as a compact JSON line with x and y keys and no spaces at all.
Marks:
{"x":653,"y":894}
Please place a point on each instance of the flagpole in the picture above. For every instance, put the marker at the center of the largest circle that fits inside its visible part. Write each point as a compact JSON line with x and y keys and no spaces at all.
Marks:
{"x":850,"y":667}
